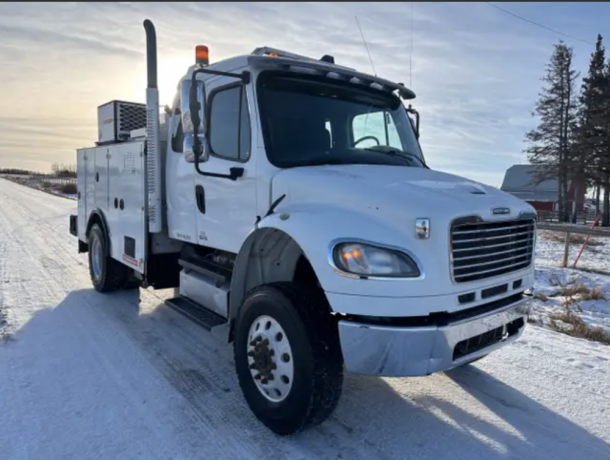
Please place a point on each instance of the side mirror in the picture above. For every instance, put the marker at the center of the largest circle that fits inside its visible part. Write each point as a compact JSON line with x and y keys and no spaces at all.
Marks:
{"x":415,"y":124}
{"x":189,"y":153}
{"x":185,"y":107}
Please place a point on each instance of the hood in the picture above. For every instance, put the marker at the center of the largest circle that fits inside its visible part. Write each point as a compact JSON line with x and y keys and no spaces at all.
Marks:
{"x":394,"y":191}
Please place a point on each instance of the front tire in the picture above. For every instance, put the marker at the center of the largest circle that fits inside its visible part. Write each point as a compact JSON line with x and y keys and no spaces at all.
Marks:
{"x":106,"y":273}
{"x":286,"y":336}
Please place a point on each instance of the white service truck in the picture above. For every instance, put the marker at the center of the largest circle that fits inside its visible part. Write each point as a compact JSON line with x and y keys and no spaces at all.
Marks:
{"x":287,"y":201}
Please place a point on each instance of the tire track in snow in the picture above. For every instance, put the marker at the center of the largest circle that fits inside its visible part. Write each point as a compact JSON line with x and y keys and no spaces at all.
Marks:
{"x":190,"y":362}
{"x":29,"y":238}
{"x":161,"y":380}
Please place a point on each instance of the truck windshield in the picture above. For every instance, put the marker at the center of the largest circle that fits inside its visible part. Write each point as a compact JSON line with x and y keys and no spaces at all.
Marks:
{"x":309,"y":120}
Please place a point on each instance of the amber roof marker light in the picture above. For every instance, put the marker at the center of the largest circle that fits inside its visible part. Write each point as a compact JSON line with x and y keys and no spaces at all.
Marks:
{"x":202,"y":55}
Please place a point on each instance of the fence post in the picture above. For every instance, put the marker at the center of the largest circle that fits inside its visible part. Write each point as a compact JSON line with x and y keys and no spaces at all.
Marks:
{"x":566,"y":252}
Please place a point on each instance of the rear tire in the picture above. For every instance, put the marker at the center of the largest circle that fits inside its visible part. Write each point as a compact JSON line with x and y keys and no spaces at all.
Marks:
{"x":309,"y":342}
{"x":106,"y":273}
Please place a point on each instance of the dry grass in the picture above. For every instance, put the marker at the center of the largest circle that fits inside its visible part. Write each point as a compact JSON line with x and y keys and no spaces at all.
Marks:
{"x":575,"y":238}
{"x":575,"y":294}
{"x":540,"y":296}
{"x":574,"y":291}
{"x":69,"y":188}
{"x":573,"y":325}
{"x":595,"y":294}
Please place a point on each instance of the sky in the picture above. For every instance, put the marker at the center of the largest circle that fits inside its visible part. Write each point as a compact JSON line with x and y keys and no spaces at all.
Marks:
{"x":476,"y":70}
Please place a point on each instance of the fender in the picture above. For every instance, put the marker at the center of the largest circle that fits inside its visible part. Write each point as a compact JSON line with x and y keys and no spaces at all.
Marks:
{"x":97,"y":216}
{"x":313,"y":229}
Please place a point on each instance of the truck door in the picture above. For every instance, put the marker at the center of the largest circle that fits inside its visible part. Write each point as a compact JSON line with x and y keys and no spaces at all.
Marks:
{"x":179,"y":183}
{"x":226,"y":209}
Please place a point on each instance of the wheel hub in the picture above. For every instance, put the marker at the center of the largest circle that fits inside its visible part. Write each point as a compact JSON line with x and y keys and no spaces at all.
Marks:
{"x":263,"y":359}
{"x":96,"y":255}
{"x":270,"y":358}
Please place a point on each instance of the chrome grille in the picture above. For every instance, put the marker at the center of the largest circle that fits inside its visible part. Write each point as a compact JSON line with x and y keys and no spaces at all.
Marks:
{"x":483,"y":250}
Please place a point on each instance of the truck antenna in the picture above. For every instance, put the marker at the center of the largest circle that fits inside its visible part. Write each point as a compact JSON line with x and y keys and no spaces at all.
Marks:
{"x":411,"y":50}
{"x":366,"y":46}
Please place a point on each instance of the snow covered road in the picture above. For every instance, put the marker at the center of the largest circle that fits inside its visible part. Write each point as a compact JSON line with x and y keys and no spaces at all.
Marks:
{"x":88,"y":376}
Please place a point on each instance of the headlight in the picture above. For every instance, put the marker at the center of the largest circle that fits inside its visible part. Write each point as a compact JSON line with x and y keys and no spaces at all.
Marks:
{"x":368,"y":260}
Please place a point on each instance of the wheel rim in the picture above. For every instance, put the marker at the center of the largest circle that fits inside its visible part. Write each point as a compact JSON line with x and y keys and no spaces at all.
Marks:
{"x":270,"y":358}
{"x":96,"y":257}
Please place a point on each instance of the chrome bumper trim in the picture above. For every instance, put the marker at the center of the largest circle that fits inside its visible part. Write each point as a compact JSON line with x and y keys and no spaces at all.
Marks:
{"x":416,"y":351}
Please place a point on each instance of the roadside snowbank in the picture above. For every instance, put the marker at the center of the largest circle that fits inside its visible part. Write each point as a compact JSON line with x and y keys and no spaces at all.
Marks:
{"x":566,"y":298}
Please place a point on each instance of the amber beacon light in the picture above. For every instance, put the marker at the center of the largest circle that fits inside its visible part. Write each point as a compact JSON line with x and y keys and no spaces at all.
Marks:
{"x":202,"y":56}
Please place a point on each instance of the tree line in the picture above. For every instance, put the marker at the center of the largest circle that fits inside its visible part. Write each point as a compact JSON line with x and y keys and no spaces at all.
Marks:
{"x":572,"y":139}
{"x":57,"y":169}
{"x":16,"y":171}
{"x":62,"y":170}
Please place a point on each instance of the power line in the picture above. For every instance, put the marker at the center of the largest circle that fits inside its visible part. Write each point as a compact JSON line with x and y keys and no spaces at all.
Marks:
{"x":539,"y":25}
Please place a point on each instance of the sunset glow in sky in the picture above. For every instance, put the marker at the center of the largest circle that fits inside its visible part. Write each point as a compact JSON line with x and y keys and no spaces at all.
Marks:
{"x":476,"y":70}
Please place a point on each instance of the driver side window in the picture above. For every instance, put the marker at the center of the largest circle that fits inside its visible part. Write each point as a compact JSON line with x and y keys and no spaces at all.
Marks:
{"x":377,"y":127}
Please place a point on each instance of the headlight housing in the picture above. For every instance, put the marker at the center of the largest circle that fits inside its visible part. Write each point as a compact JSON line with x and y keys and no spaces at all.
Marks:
{"x":369,"y":260}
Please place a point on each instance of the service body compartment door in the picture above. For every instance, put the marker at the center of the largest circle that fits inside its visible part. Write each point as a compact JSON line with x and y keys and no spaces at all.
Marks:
{"x":126,"y":215}
{"x":101,"y":178}
{"x":81,"y":185}
{"x":90,"y":181}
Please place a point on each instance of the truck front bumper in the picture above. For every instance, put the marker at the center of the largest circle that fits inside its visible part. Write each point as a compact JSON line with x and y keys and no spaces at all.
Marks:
{"x":393,"y":351}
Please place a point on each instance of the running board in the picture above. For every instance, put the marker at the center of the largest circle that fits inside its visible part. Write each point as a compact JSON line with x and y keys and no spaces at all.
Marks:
{"x":199,"y":314}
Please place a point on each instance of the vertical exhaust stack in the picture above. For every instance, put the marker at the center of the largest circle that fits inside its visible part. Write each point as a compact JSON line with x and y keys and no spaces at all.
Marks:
{"x":153,"y":154}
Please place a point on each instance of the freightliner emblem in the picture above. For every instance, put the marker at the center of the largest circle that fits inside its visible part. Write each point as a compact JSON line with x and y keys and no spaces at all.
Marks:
{"x":500,"y":211}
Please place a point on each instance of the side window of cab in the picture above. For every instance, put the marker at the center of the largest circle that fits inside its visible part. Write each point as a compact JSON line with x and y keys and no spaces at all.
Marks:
{"x":229,"y":123}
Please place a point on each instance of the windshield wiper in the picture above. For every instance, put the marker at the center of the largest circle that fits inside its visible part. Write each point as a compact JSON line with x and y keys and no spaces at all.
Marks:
{"x":396,"y":153}
{"x":321,"y":161}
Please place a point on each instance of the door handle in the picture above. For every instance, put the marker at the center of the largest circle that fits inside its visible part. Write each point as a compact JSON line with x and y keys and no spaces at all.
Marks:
{"x":200,"y":197}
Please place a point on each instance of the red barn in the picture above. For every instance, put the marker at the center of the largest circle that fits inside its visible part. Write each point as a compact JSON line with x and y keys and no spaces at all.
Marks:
{"x":520,"y":182}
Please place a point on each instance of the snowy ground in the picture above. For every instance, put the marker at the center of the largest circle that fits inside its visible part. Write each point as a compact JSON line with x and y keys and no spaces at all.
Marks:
{"x":52,"y":185}
{"x":87,"y":376}
{"x":586,"y":294}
